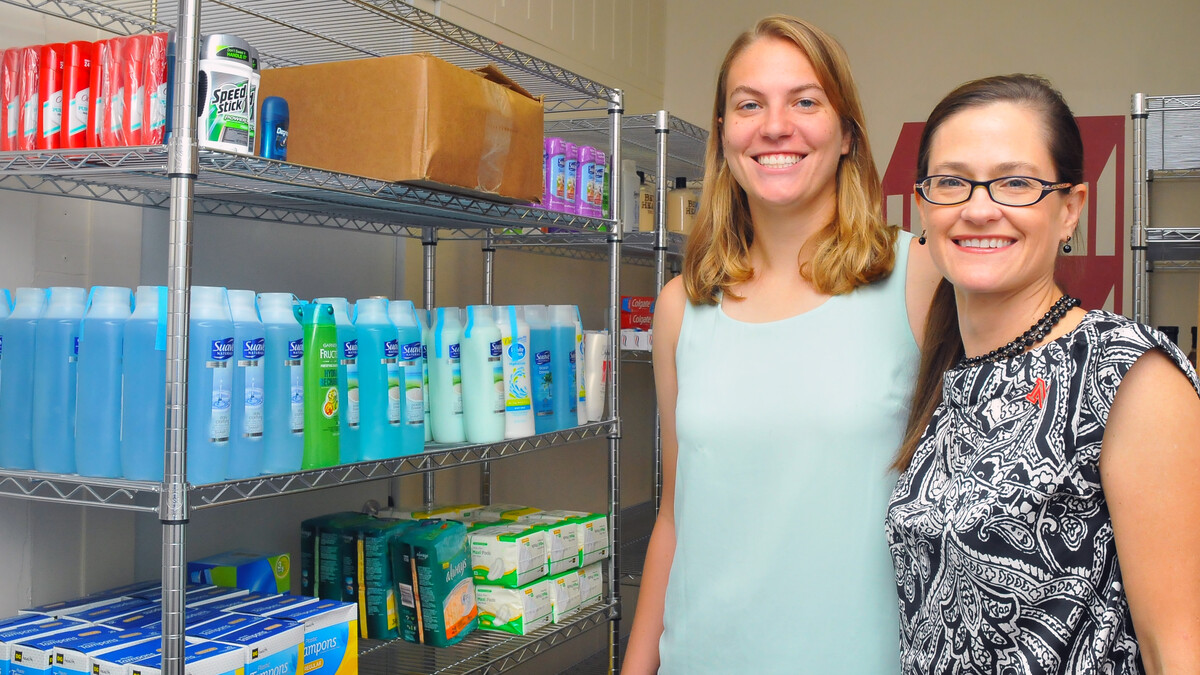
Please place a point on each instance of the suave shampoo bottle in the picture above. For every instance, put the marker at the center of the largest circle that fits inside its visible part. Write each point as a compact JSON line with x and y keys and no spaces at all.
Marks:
{"x":16,"y":388}
{"x":347,"y":337}
{"x":55,"y":366}
{"x":518,"y":401}
{"x":144,"y":388}
{"x":378,"y":349}
{"x":445,"y":377}
{"x":98,"y":407}
{"x":283,"y":423}
{"x":482,"y":376}
{"x":566,"y":391}
{"x":321,"y":423}
{"x":249,"y":386}
{"x":210,"y":385}
{"x":541,"y":367}
{"x":412,"y":374}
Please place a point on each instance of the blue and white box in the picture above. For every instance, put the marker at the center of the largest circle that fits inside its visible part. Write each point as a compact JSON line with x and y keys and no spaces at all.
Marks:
{"x":275,"y":605}
{"x":75,"y":658}
{"x":116,"y":608}
{"x":199,"y":658}
{"x":274,"y":647}
{"x":235,"y":603}
{"x":330,"y":636}
{"x":29,"y":631}
{"x":150,"y":617}
{"x":222,"y":625}
{"x":116,"y":661}
{"x":34,"y":655}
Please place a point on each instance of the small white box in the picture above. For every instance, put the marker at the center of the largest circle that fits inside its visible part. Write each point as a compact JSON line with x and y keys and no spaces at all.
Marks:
{"x":564,"y":595}
{"x":591,"y":584}
{"x":519,"y":611}
{"x":508,"y":555}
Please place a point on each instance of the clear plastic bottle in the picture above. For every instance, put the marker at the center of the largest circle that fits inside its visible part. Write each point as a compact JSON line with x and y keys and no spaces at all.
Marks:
{"x":144,"y":393}
{"x":347,"y":337}
{"x":16,"y":388}
{"x":541,"y":367}
{"x":5,"y":310}
{"x":98,"y":408}
{"x":210,"y":385}
{"x":580,"y":380}
{"x":482,"y":376}
{"x":55,"y":366}
{"x":283,"y":422}
{"x":445,"y":377}
{"x":518,"y":398}
{"x":412,"y":373}
{"x":566,"y":391}
{"x":378,"y":349}
{"x":246,"y":443}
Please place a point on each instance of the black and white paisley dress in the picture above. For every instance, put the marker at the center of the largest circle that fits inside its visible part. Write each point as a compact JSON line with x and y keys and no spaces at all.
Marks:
{"x":999,"y":530}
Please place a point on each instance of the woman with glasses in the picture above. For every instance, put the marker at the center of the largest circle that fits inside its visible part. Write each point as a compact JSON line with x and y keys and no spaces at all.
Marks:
{"x":1047,"y":519}
{"x":783,"y":360}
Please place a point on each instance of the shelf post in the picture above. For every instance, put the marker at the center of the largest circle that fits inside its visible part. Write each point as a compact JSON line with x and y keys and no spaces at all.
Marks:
{"x":429,"y":241}
{"x":183,"y":168}
{"x":1140,"y":111}
{"x":616,"y":109}
{"x":662,"y":132}
{"x":489,"y":271}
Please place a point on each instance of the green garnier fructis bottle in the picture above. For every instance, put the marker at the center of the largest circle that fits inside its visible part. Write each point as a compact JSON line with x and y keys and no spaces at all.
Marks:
{"x":321,"y":404}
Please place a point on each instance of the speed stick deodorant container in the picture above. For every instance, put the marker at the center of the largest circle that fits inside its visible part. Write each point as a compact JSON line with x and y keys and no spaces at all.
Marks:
{"x":228,"y":94}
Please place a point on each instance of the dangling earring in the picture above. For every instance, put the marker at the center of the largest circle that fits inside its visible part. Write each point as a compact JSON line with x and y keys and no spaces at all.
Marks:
{"x":1067,"y":245}
{"x":921,"y":240}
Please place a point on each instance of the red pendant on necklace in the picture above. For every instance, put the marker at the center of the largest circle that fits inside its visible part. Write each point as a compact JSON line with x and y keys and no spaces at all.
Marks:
{"x":1040,"y":390}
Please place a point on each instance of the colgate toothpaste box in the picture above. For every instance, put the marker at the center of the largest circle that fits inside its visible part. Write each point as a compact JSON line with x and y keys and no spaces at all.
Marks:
{"x":637,"y":312}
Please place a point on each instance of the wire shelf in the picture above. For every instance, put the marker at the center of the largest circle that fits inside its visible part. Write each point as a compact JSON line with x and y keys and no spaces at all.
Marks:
{"x":1173,"y":136}
{"x":144,"y":495}
{"x":1172,"y":244}
{"x":685,"y":142}
{"x":297,"y":32}
{"x":252,"y":187}
{"x":482,"y":652}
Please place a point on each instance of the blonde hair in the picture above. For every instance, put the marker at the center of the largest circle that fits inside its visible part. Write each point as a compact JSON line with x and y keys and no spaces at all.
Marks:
{"x":856,"y":248}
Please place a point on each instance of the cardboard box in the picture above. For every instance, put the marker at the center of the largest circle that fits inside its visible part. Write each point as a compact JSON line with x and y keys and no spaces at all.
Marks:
{"x":199,"y":658}
{"x":330,"y":636}
{"x":414,"y":118}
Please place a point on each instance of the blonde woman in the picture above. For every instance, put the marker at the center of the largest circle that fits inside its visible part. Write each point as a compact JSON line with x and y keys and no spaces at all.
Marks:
{"x":783,"y":359}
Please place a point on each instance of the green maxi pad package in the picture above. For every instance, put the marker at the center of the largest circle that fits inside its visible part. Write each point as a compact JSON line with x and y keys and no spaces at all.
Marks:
{"x":327,"y":559}
{"x":367,"y":569}
{"x":310,"y":538}
{"x":432,"y":568}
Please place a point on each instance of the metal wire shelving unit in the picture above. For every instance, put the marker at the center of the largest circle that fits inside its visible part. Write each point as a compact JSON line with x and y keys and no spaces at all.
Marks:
{"x":1166,"y":147}
{"x":187,"y":181}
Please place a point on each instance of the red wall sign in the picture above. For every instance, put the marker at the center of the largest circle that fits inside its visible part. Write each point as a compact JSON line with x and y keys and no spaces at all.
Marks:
{"x":1091,"y":277}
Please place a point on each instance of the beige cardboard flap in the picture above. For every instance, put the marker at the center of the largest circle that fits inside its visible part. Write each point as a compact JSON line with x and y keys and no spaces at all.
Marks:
{"x":493,"y":74}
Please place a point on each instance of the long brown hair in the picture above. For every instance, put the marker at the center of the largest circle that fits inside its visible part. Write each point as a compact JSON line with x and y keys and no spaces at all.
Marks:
{"x":855,"y":249}
{"x":943,"y":340}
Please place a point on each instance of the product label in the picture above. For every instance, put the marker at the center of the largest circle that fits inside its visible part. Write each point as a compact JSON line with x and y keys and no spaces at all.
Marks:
{"x":74,"y":355}
{"x":11,"y":117}
{"x":580,"y":360}
{"x":135,"y":108}
{"x":252,"y":396}
{"x":391,"y":352}
{"x":52,"y":114}
{"x":221,"y":352}
{"x":598,"y":193}
{"x":350,"y":361}
{"x":558,"y":175}
{"x":158,"y":107}
{"x":295,"y":364}
{"x":29,"y":116}
{"x":495,"y":350}
{"x":414,"y":398}
{"x":77,"y":112}
{"x":228,"y":112}
{"x":425,"y":376}
{"x":572,"y":178}
{"x":456,"y":405}
{"x":544,"y":384}
{"x":574,"y":407}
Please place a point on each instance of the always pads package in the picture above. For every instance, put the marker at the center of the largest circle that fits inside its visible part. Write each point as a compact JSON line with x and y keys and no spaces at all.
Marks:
{"x":310,"y":553}
{"x":432,"y":568}
{"x":508,"y":555}
{"x":519,"y":611}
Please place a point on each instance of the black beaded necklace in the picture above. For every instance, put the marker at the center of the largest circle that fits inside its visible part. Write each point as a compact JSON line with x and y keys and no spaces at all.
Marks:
{"x":1029,"y":338}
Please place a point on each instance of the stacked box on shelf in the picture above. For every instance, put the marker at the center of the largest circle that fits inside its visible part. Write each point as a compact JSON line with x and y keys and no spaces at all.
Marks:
{"x":34,"y":655}
{"x":519,"y":611}
{"x":431,"y":565}
{"x":75,"y":658}
{"x":272,"y":645}
{"x":199,"y":658}
{"x":22,"y":632}
{"x":258,"y":572}
{"x":330,"y":635}
{"x":565,"y":596}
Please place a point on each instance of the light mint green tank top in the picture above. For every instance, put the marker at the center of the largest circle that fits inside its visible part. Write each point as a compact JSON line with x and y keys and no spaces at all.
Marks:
{"x":786,"y":430}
